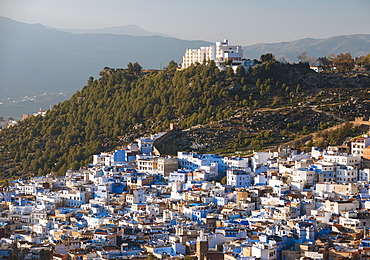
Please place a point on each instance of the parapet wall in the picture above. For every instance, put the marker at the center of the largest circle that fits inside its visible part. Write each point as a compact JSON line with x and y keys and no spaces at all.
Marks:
{"x":170,"y":134}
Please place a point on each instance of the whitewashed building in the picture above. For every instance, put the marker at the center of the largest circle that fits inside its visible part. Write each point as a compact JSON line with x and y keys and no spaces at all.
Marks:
{"x":346,"y":174}
{"x":358,"y":145}
{"x":238,"y":178}
{"x":219,"y":53}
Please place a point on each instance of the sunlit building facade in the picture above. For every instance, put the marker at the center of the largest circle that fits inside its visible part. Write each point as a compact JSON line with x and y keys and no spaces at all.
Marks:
{"x":219,"y":53}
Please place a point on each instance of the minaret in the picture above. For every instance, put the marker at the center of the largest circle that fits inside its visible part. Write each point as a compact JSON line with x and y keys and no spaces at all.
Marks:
{"x":201,"y":246}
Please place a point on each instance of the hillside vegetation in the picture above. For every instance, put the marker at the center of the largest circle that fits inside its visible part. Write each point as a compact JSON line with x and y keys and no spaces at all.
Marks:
{"x":242,"y":112}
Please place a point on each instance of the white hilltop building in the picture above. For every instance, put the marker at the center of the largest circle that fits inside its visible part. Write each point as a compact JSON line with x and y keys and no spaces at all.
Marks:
{"x":219,"y":53}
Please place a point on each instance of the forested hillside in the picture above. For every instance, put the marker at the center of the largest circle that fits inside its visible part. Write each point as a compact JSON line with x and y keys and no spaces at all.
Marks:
{"x":128,"y":103}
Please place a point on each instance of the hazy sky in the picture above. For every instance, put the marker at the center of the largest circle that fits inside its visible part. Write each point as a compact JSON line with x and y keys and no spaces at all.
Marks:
{"x":243,"y":22}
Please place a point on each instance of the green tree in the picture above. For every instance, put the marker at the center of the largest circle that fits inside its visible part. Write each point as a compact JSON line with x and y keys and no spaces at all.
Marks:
{"x":136,"y":68}
{"x":230,"y":72}
{"x":258,"y":83}
{"x":298,"y":88}
{"x":267,"y":57}
{"x":212,"y":65}
{"x":90,"y":81}
{"x":365,"y":62}
{"x":240,"y":71}
{"x":172,"y":66}
{"x":130,"y":68}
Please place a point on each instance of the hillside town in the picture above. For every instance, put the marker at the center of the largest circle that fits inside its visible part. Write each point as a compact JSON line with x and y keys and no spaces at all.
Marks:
{"x":134,"y":203}
{"x":158,"y":130}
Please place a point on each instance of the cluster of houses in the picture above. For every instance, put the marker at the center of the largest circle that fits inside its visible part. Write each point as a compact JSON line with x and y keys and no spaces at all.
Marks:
{"x":41,"y":112}
{"x":11,"y":122}
{"x":6,"y":123}
{"x":132,"y":204}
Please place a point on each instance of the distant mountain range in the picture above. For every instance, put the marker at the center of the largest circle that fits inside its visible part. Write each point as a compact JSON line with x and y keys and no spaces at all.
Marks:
{"x":131,"y":29}
{"x":357,"y":45}
{"x":36,"y":59}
